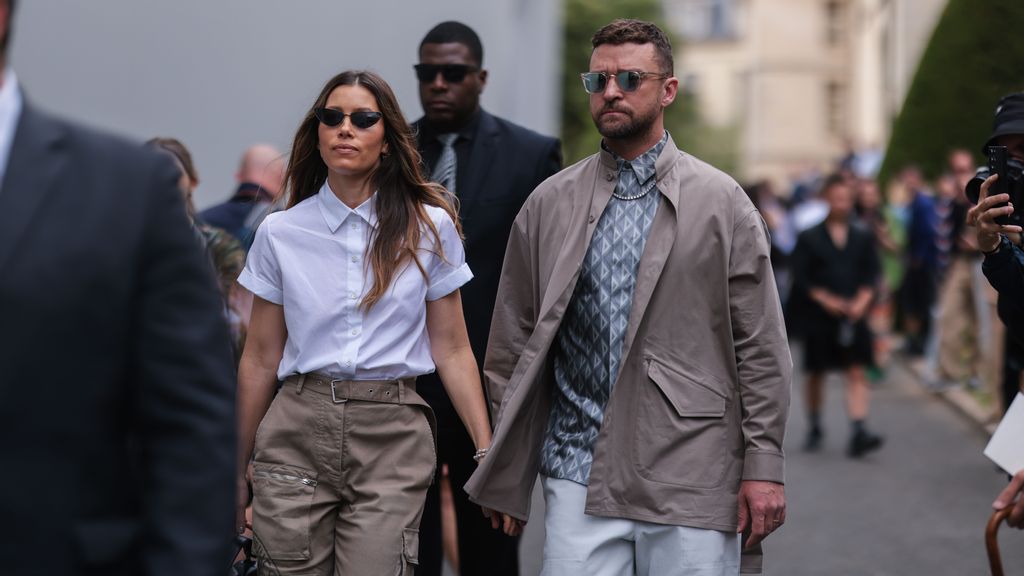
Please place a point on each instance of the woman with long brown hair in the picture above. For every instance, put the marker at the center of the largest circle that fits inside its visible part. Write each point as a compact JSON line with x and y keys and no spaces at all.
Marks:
{"x":357,"y":287}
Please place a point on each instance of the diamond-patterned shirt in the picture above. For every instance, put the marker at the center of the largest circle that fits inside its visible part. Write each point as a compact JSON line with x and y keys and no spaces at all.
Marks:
{"x":588,"y":346}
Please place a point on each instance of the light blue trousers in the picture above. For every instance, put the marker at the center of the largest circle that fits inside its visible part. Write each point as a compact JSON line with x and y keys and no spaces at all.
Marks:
{"x":576,"y":544}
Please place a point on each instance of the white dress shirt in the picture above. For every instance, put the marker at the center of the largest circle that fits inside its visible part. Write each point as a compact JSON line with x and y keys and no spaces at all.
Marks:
{"x":10,"y":112}
{"x":310,"y":259}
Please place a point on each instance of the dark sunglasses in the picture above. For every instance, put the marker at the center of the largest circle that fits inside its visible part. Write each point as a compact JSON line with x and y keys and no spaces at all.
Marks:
{"x":452,"y":73}
{"x":627,"y":80}
{"x":362,"y":119}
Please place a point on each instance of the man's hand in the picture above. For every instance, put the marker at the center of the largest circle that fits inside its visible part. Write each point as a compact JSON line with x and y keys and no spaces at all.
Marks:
{"x":984,"y":213}
{"x":1006,"y":498}
{"x":762,"y":509}
{"x":504,"y":522}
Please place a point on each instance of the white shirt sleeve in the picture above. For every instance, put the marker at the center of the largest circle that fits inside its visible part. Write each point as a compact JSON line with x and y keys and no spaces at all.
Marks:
{"x":262,"y":272}
{"x":447,"y":270}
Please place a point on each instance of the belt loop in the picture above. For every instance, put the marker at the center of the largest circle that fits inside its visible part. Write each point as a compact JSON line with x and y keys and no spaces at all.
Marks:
{"x":401,"y":391}
{"x":302,"y":382}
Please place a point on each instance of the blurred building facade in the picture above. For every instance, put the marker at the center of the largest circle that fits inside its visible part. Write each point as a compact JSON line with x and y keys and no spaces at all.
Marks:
{"x":804,"y":80}
{"x":223,"y":75}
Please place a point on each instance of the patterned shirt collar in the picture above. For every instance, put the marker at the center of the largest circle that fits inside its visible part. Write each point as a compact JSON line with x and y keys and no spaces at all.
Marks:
{"x":642,"y":165}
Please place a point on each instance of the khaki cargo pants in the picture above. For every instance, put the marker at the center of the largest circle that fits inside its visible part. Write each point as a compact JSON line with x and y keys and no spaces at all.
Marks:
{"x":340,"y":476}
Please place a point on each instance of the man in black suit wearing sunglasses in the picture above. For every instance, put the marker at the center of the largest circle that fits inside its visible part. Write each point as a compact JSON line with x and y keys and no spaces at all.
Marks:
{"x":492,"y":165}
{"x":117,"y":420}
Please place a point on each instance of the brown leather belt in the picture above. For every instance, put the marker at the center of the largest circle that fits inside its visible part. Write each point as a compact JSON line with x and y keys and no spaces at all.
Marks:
{"x":388,"y":391}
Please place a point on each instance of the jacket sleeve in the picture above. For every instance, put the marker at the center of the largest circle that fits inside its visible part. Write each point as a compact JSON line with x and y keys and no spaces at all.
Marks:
{"x":514,"y":315}
{"x":763,"y":360}
{"x":183,"y":399}
{"x":1005,"y":272}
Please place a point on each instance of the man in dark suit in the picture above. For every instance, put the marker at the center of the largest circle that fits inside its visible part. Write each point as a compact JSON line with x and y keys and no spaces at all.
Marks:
{"x":492,"y":165}
{"x":117,"y":428}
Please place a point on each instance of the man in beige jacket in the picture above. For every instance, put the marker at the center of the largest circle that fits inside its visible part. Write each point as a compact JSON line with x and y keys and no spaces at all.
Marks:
{"x":637,"y":357}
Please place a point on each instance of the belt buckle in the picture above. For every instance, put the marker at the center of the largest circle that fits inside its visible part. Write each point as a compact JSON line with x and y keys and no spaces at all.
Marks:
{"x":334,"y":395}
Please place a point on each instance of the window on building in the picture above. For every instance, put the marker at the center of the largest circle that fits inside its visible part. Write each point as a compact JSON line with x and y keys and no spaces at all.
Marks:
{"x":835,"y":108}
{"x":835,"y":22}
{"x":701,"y":20}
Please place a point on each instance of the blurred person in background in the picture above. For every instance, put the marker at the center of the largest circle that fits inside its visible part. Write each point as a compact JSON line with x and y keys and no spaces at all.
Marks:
{"x":783,"y":235}
{"x":260,"y":179}
{"x":642,"y":370}
{"x":357,"y":294}
{"x":917,"y":292}
{"x":225,"y":252}
{"x":879,"y":220}
{"x":836,"y":268}
{"x":116,"y":401}
{"x":491,"y":165}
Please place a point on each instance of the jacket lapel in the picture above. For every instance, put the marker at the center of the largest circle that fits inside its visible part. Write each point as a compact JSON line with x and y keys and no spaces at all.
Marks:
{"x":659,"y":241}
{"x":483,"y":159}
{"x":36,"y":161}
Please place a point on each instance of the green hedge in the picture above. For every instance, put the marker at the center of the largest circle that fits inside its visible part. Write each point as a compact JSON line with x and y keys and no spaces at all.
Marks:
{"x":975,"y":56}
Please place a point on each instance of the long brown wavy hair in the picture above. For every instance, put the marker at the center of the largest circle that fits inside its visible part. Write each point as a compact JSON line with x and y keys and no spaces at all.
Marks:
{"x":403,"y":192}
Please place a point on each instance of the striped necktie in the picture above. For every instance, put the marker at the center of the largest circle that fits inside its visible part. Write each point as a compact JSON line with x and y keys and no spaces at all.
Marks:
{"x":444,"y":172}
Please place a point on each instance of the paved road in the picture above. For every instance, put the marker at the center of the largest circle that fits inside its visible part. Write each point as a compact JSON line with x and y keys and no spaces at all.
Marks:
{"x":916,"y":508}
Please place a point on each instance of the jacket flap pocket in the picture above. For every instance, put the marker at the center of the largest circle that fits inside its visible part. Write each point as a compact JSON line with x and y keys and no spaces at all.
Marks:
{"x":690,"y":398}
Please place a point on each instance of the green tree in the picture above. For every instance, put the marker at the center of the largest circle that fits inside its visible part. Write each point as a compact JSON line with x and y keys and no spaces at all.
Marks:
{"x":974,"y":57}
{"x":579,"y":136}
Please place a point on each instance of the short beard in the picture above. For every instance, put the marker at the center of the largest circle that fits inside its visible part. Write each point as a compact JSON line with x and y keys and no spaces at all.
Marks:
{"x":636,"y":126}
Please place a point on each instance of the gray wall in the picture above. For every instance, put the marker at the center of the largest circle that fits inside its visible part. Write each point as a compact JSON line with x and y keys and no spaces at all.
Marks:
{"x":223,"y":74}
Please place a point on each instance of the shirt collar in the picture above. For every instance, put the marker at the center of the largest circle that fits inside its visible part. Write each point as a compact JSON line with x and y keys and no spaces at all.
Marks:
{"x":643,"y":165}
{"x":10,"y":112}
{"x":336,"y":212}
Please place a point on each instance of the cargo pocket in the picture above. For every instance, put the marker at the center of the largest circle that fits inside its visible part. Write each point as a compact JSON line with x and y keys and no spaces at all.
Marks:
{"x":410,"y":551}
{"x":282,"y":496}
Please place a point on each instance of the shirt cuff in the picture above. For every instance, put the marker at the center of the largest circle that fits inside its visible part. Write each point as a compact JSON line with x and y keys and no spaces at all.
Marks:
{"x":764,"y":466}
{"x":449,"y":283}
{"x":260,"y":287}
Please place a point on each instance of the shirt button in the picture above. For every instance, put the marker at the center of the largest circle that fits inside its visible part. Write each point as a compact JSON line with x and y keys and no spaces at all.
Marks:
{"x":609,"y":176}
{"x":353,"y":295}
{"x":355,"y":332}
{"x":355,"y":258}
{"x":592,"y":218}
{"x":348,"y":362}
{"x":354,"y":226}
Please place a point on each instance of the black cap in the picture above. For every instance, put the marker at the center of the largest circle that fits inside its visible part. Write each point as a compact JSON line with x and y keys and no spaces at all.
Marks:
{"x":1009,"y":118}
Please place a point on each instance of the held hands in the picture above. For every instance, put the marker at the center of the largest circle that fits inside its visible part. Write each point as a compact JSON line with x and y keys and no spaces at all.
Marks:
{"x":1006,"y":498}
{"x":984,"y":213}
{"x":504,"y":522}
{"x":762,"y":509}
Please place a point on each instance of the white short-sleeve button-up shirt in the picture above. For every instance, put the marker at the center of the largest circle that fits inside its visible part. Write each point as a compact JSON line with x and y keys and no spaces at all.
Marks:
{"x":310,"y":260}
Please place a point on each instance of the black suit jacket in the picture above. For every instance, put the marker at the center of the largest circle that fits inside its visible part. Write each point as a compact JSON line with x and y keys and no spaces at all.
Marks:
{"x":117,"y":428}
{"x":506,"y":164}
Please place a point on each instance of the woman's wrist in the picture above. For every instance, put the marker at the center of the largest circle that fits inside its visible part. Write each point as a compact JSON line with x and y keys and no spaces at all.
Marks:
{"x":995,"y":248}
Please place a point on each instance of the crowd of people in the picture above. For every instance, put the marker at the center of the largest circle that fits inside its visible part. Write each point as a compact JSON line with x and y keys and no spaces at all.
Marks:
{"x":924,"y":297}
{"x":438,"y":303}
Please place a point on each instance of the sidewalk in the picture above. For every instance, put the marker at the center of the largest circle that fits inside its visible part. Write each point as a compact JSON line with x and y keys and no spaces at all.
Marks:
{"x":966,"y":402}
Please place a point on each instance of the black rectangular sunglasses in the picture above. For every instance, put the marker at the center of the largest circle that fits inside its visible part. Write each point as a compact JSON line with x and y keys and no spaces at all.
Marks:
{"x":627,"y":80}
{"x":452,"y":73}
{"x":362,"y":119}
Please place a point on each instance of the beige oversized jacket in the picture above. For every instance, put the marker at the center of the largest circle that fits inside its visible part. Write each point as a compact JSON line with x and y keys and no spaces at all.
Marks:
{"x":702,"y":397}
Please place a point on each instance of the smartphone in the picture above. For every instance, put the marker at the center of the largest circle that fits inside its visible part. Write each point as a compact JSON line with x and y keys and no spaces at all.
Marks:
{"x":997,"y":158}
